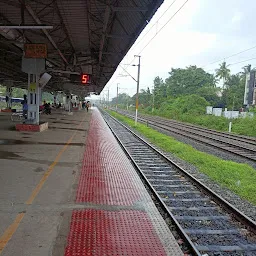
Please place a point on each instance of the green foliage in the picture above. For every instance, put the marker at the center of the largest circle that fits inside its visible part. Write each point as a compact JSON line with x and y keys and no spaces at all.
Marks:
{"x":233,"y":94}
{"x":188,"y":81}
{"x":123,"y":100}
{"x":223,"y":72}
{"x":159,"y":91}
{"x":48,"y":97}
{"x":186,"y":105}
{"x":210,"y":94}
{"x":2,"y":90}
{"x":145,"y":97}
{"x":186,"y":92}
{"x":244,"y":126}
{"x":16,"y":92}
{"x":181,"y":82}
{"x":237,"y":177}
{"x":191,"y":104}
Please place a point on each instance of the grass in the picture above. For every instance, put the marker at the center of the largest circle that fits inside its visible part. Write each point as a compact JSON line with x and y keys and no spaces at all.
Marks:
{"x":237,"y":177}
{"x":242,"y":126}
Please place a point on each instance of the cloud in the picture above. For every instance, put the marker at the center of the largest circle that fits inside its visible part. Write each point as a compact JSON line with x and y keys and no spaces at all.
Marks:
{"x":237,"y":17}
{"x":199,"y":34}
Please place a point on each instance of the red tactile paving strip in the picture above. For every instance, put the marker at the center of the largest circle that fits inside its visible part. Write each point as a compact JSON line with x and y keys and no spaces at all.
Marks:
{"x":106,"y":176}
{"x":108,"y":179}
{"x":109,"y":233}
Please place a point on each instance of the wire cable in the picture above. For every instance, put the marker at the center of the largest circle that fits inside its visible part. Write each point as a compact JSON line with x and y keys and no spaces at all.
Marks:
{"x":125,"y":69}
{"x":155,"y":23}
{"x":230,"y":56}
{"x":163,"y":26}
{"x":232,"y":64}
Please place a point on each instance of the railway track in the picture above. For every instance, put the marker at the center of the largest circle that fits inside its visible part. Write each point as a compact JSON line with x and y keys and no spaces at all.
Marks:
{"x":238,"y":145}
{"x":206,"y":221}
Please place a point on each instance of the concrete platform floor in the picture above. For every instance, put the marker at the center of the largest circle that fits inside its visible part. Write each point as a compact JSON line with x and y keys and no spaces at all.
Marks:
{"x":38,"y":175}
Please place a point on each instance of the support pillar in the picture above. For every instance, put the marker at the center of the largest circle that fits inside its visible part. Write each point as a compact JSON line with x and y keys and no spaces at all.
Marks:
{"x":55,"y":99}
{"x":9,"y":85}
{"x":33,"y":99}
{"x":64,"y":100}
{"x":9,"y":94}
{"x":69,"y":102}
{"x":40,"y":96}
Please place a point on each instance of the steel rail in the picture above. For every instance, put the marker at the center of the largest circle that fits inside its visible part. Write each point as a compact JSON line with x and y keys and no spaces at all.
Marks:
{"x":181,"y":231}
{"x":242,"y":138}
{"x":241,"y":217}
{"x":168,"y":128}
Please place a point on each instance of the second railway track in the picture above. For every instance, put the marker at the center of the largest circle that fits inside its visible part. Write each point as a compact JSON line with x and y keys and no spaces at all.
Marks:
{"x":206,"y":221}
{"x":238,"y":145}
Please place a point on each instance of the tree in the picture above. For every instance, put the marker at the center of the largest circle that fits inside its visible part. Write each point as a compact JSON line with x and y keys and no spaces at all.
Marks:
{"x":223,"y":73}
{"x":18,"y":92}
{"x":187,"y":81}
{"x":144,"y":97}
{"x":233,"y":94}
{"x":159,"y":89}
{"x":123,"y":99}
{"x":211,"y":95}
{"x":2,"y":90}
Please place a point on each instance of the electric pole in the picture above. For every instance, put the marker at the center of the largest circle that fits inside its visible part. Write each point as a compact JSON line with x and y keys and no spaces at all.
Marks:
{"x":108,"y":98}
{"x":117,"y":95}
{"x":153,"y":94}
{"x":137,"y":94}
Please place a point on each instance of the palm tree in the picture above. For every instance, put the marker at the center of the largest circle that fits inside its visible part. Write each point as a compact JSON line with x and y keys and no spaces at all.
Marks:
{"x":223,"y":72}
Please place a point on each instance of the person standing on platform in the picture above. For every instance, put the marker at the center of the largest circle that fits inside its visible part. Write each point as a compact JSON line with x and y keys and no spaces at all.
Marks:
{"x":87,"y":105}
{"x":7,"y":101}
{"x":25,"y":106}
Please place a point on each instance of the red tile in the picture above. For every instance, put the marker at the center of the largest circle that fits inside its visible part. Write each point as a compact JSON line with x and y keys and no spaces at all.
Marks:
{"x":107,"y":176}
{"x":112,"y":233}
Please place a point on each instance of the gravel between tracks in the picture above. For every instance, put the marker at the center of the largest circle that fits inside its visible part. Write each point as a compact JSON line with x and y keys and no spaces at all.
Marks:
{"x":241,"y":204}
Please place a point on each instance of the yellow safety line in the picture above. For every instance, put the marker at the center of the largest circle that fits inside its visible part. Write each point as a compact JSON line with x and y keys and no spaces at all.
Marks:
{"x":47,"y":173}
{"x":4,"y":239}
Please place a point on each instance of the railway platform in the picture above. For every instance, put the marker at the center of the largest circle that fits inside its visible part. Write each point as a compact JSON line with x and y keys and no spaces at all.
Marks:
{"x":71,"y":190}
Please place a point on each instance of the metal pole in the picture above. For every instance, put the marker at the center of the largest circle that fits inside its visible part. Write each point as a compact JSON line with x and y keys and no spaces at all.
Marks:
{"x":108,"y":97}
{"x":153,"y":107}
{"x":137,"y":94}
{"x":116,"y":95}
{"x":29,"y":98}
{"x":37,"y":98}
{"x":34,"y":99}
{"x":230,"y":123}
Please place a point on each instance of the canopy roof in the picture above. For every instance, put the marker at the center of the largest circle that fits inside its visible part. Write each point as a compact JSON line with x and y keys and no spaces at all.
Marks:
{"x":88,"y":36}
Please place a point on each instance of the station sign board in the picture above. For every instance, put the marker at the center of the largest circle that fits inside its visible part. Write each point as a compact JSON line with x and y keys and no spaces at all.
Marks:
{"x":35,"y":51}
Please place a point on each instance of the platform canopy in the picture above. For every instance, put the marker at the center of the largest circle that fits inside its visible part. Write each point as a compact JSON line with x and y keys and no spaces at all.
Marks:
{"x":87,"y":36}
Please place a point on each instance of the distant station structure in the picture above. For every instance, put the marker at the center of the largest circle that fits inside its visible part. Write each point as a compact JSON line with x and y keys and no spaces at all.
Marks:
{"x":250,"y":87}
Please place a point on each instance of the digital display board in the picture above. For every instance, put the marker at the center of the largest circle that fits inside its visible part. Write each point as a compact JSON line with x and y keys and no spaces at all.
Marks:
{"x":85,"y":78}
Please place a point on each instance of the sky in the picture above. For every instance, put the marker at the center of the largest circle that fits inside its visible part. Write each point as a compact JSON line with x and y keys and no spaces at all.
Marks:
{"x":202,"y":32}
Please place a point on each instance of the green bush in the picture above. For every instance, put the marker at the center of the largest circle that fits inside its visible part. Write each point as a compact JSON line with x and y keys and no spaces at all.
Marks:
{"x":191,"y":109}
